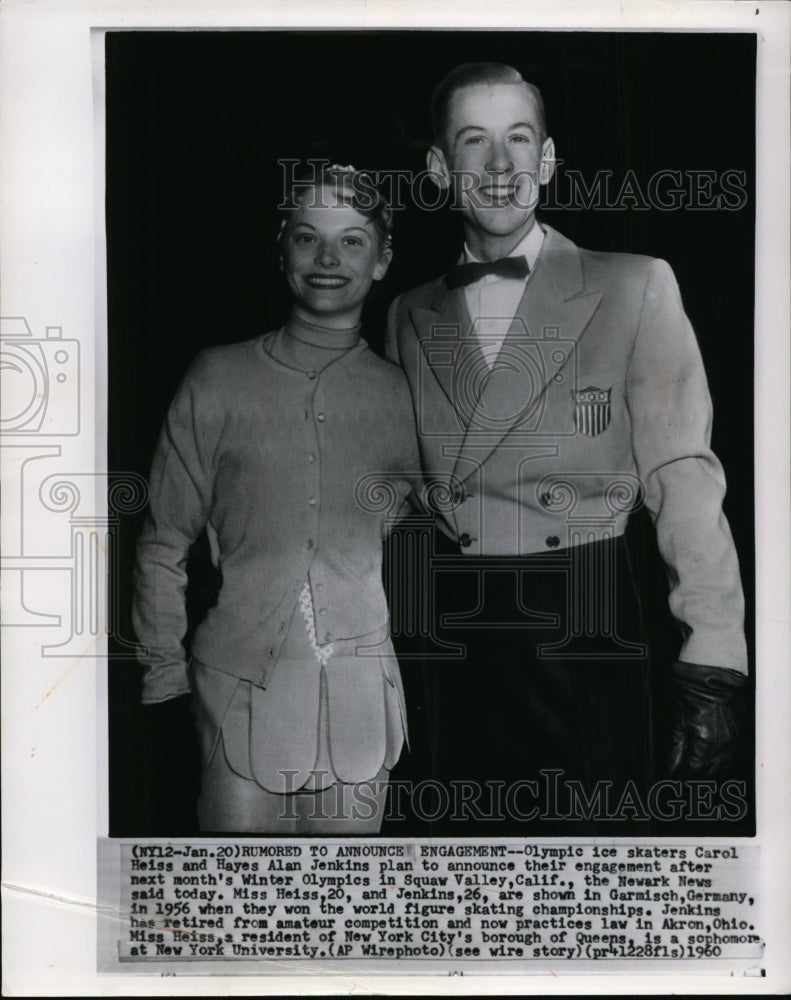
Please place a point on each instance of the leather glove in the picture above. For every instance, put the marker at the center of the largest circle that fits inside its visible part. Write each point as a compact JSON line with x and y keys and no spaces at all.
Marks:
{"x":708,"y":720}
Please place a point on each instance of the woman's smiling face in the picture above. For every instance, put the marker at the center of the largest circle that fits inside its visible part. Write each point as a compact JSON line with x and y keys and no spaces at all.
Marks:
{"x":331,"y":256}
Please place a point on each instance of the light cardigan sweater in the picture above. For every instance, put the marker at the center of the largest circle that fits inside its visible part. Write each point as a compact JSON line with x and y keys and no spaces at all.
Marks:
{"x":296,"y":476}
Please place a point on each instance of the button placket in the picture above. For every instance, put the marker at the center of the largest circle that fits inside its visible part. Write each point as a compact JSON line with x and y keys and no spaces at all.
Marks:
{"x":312,"y":457}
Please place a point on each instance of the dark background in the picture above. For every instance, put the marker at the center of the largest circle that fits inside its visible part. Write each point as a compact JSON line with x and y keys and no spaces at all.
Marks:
{"x":196,"y":122}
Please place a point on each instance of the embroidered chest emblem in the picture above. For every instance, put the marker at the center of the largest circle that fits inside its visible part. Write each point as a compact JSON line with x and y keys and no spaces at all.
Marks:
{"x":591,"y":410}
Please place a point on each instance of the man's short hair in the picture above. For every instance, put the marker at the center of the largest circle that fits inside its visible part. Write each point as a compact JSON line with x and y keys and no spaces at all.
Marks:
{"x":472,"y":74}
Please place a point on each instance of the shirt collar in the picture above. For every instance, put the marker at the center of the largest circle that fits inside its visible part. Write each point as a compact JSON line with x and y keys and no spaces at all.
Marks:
{"x":529,"y":247}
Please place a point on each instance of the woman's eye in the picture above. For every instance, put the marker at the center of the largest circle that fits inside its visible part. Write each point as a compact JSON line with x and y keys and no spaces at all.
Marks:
{"x":303,"y":238}
{"x":352,"y":241}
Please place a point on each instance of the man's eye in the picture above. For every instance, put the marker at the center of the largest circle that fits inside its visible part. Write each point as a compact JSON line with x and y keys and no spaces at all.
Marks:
{"x":519,"y":138}
{"x":474,"y":140}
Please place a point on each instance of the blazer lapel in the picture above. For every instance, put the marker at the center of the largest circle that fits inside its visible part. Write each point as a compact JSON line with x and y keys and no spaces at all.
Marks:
{"x":447,"y":341}
{"x":552,"y":316}
{"x":449,"y":360}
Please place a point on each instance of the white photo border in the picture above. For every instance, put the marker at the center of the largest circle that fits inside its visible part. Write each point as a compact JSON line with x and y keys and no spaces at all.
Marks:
{"x":54,"y":717}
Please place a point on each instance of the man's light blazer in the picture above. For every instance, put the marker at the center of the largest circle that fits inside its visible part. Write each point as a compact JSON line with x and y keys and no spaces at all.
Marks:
{"x":598,"y":402}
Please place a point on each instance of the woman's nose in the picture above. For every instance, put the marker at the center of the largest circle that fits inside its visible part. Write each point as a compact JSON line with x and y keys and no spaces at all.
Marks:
{"x":327,"y":255}
{"x":499,"y":158}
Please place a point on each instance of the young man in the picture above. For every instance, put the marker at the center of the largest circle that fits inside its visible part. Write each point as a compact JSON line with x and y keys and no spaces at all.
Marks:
{"x":557,"y":390}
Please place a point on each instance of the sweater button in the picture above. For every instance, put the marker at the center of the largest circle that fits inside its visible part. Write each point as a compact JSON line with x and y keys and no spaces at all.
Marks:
{"x":319,"y":586}
{"x":322,"y":611}
{"x":465,"y":540}
{"x":311,"y":375}
{"x":320,"y":417}
{"x":312,"y":501}
{"x":553,"y":541}
{"x":311,"y":457}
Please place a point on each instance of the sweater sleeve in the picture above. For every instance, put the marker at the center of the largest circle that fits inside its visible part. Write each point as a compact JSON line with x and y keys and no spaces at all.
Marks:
{"x":180,"y":491}
{"x":391,"y":335}
{"x":671,"y":415}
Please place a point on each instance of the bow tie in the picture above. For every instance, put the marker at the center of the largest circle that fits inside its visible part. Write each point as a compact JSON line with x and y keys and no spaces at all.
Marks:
{"x":505,"y":267}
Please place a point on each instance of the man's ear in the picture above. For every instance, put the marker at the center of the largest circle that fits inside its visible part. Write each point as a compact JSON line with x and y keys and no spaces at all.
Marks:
{"x":435,"y":161}
{"x":380,"y":270}
{"x":547,"y":168}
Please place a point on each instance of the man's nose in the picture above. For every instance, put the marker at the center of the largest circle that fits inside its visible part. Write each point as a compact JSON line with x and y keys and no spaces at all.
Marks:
{"x":499,"y":158}
{"x":327,"y":255}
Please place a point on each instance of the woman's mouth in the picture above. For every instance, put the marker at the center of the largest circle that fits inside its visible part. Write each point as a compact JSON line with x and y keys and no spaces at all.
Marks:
{"x":326,"y":281}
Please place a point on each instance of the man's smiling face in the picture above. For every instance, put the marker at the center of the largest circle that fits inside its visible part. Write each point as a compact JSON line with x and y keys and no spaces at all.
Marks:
{"x":495,"y":154}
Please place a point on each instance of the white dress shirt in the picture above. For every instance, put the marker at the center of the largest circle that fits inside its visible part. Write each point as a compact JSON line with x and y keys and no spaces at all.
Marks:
{"x":492,"y":301}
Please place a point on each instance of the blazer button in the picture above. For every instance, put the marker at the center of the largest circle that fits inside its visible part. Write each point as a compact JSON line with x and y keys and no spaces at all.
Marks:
{"x":465,"y":540}
{"x":553,"y":541}
{"x":545,"y":499}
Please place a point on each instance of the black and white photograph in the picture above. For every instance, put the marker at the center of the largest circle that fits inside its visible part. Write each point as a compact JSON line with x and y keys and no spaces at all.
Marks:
{"x":546,"y":289}
{"x":395,"y":461}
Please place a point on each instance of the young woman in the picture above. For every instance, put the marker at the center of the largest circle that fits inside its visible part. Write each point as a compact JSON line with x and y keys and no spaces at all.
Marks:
{"x":294,"y":451}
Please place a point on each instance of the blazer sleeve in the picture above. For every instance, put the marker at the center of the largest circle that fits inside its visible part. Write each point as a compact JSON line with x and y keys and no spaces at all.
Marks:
{"x":671,"y":414}
{"x":180,"y":491}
